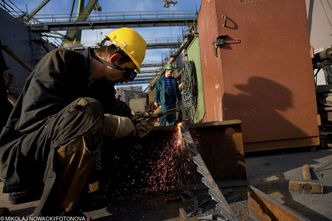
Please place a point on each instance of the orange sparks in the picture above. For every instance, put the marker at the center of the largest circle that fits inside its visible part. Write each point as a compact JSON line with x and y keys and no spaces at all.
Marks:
{"x":174,"y":168}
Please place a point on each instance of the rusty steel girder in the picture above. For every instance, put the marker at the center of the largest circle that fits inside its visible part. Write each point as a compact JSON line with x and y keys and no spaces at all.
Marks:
{"x":219,"y":143}
{"x":264,"y":207}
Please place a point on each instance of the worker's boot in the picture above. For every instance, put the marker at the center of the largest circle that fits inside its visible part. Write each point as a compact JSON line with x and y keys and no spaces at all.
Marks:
{"x":24,"y":196}
{"x":78,"y":166}
{"x":18,"y":197}
{"x":76,"y":160}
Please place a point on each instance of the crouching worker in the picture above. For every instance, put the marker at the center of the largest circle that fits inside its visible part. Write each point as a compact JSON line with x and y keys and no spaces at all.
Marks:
{"x":55,"y":131}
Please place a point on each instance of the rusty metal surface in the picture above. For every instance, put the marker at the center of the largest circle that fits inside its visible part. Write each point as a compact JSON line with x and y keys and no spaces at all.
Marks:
{"x":222,"y":208}
{"x":265,"y":208}
{"x":262,"y":74}
{"x":219,"y":143}
{"x":221,"y":147}
{"x":126,"y":163}
{"x":211,"y":65}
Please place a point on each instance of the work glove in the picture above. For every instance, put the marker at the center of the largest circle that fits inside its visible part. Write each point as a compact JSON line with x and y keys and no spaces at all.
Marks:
{"x":144,"y":123}
{"x":117,"y":126}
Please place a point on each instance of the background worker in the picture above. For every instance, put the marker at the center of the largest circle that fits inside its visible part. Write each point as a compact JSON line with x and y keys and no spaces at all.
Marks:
{"x":167,"y":95}
{"x":56,"y":129}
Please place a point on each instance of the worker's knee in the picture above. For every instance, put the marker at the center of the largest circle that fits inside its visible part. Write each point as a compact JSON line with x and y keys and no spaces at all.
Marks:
{"x":89,"y":106}
{"x":86,"y":111}
{"x":83,"y":117}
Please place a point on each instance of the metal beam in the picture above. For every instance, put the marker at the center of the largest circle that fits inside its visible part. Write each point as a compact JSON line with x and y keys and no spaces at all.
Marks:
{"x":142,"y":78}
{"x":160,"y":45}
{"x":134,"y":82}
{"x":151,"y":65}
{"x":29,"y":16}
{"x":163,"y":45}
{"x":46,"y":27}
{"x":83,"y":14}
{"x":264,"y":207}
{"x":148,"y":72}
{"x":115,"y":20}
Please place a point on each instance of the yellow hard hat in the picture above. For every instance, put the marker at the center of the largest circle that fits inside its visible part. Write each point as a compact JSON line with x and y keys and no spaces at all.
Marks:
{"x":131,"y":42}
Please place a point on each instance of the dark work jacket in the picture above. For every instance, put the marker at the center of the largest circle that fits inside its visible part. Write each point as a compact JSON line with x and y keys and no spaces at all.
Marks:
{"x":160,"y":94}
{"x":57,"y":80}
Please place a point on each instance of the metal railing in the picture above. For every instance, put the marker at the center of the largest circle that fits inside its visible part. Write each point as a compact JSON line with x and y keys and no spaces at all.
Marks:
{"x":151,"y":42}
{"x":119,"y":16}
{"x":56,"y":22}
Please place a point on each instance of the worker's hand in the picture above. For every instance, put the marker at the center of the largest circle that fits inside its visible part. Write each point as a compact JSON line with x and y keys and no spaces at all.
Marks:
{"x":117,"y":126}
{"x":157,"y":110}
{"x":144,"y":123}
{"x":144,"y":126}
{"x":156,"y":104}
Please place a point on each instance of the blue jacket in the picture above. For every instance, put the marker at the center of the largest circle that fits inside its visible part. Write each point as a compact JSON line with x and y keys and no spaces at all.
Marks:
{"x":160,"y":91}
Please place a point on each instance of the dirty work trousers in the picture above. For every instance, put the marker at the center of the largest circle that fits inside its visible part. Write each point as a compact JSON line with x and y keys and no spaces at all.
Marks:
{"x":75,"y":135}
{"x":169,"y":118}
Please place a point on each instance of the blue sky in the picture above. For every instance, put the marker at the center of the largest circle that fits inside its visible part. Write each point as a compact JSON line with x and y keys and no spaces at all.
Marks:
{"x":90,"y":37}
{"x":150,"y":34}
{"x":63,"y":6}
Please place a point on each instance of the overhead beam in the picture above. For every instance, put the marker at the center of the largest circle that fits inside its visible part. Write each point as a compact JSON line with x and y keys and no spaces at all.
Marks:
{"x":134,"y":82}
{"x":61,"y":26}
{"x":115,"y":20}
{"x":151,"y":65}
{"x":163,"y":45}
{"x":148,"y":72}
{"x":160,"y":45}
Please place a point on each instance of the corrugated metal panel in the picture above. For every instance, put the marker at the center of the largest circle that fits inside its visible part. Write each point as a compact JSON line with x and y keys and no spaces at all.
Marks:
{"x":23,"y":44}
{"x":194,"y":55}
{"x":17,"y":38}
{"x":266,"y":80}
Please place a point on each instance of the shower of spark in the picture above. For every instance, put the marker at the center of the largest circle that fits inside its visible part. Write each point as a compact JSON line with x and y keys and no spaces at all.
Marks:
{"x":174,"y":168}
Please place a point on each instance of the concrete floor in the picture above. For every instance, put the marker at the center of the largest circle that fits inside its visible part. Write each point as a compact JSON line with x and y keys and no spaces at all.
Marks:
{"x":269,"y":173}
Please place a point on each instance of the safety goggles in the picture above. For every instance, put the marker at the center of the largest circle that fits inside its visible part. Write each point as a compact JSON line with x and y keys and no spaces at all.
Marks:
{"x":129,"y":74}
